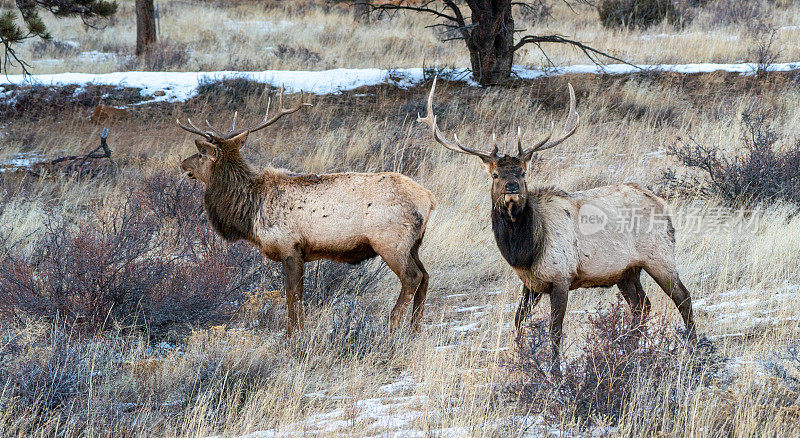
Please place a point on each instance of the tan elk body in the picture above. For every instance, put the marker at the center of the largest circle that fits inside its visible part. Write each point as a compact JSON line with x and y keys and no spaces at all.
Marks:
{"x":297,"y":218}
{"x":557,"y":241}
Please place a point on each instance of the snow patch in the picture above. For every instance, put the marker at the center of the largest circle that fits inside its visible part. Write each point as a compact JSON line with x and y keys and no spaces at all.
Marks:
{"x":469,"y":309}
{"x":180,"y":86}
{"x":466,"y":328}
{"x":406,"y":383}
{"x":22,"y":160}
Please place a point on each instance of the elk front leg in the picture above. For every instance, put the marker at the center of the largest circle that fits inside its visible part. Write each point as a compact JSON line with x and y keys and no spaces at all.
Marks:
{"x":558,"y":307}
{"x":293,"y":273}
{"x":528,"y":301}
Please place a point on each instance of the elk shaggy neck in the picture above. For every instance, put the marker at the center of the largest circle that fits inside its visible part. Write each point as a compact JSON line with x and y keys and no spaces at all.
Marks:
{"x":521,"y":239}
{"x":230,"y":199}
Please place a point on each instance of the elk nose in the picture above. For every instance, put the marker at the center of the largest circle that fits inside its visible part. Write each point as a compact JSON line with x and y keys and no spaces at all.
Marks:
{"x":512,"y":187}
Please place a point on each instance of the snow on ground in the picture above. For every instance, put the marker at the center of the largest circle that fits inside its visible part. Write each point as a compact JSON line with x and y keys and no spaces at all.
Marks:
{"x":747,"y":308}
{"x":22,"y":160}
{"x":180,"y":86}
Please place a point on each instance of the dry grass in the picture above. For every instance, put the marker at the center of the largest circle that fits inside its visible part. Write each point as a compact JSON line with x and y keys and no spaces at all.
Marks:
{"x":447,"y":381}
{"x":311,"y":35}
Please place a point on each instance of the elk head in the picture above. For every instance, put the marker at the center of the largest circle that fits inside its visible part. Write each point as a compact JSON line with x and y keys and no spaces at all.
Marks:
{"x":220,"y":146}
{"x":509,"y":188}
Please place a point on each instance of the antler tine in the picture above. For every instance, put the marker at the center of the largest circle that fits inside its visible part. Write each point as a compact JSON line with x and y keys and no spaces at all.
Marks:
{"x":214,"y":130}
{"x":542,"y":141}
{"x":269,"y":104}
{"x":193,"y":129}
{"x":520,"y":151}
{"x":570,"y":126}
{"x":281,"y":111}
{"x":233,"y":125}
{"x":430,"y":120}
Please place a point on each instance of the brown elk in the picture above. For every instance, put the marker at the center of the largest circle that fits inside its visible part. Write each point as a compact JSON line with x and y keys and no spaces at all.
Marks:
{"x":296,"y":218}
{"x":107,"y":113}
{"x":557,"y":241}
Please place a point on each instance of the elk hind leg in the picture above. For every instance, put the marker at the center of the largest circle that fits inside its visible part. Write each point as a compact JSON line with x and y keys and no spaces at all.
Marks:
{"x":422,"y":290}
{"x":634,"y":294}
{"x":668,"y":280}
{"x":410,"y":275}
{"x":643,"y":300}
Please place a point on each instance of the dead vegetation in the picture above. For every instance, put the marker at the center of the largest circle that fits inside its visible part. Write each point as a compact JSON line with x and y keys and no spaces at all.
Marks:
{"x":758,"y":173}
{"x":317,"y":34}
{"x":622,"y":363}
{"x":176,"y":353}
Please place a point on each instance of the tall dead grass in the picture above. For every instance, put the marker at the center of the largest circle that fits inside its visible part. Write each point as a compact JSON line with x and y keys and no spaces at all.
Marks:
{"x":344,"y":374}
{"x":313,"y":35}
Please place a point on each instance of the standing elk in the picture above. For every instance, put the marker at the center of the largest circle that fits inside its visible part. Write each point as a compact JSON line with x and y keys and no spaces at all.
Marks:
{"x":298,"y":218}
{"x":557,"y":241}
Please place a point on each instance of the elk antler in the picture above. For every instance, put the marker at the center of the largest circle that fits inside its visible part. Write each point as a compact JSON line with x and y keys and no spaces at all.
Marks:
{"x":456,"y":146}
{"x":570,"y":126}
{"x":281,"y":112}
{"x":216,"y":135}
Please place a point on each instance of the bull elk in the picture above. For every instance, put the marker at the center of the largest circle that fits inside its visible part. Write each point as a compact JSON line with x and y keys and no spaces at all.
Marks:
{"x":296,"y":218}
{"x":557,"y":241}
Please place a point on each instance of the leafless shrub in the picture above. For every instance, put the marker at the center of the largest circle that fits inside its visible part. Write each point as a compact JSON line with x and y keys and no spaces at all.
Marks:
{"x":727,"y":12}
{"x":758,"y":174}
{"x":300,"y":54}
{"x":619,"y":357}
{"x":165,"y":55}
{"x":117,"y":270}
{"x":33,"y":102}
{"x":355,"y":331}
{"x":533,"y":12}
{"x":230,"y":90}
{"x":762,"y":51}
{"x":45,"y":48}
{"x":635,"y":13}
{"x":785,"y":367}
{"x":326,"y":281}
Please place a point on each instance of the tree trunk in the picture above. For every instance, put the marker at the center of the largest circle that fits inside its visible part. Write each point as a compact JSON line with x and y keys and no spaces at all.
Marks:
{"x":491,"y":42}
{"x":361,"y":11}
{"x":145,"y":26}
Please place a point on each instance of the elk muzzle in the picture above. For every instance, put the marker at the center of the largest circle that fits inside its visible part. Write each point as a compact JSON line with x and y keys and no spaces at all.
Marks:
{"x":511,"y":195}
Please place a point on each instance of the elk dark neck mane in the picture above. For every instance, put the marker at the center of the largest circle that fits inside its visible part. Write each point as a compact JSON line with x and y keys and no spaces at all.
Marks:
{"x":522,"y":240}
{"x":230,"y":199}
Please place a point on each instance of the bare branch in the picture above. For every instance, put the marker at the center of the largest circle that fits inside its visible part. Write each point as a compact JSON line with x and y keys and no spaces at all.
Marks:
{"x":398,"y":7}
{"x":589,"y":51}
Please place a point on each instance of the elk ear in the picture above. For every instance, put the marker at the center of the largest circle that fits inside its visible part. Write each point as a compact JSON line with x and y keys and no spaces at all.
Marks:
{"x":207,"y":148}
{"x":488,"y":165}
{"x":239,"y":140}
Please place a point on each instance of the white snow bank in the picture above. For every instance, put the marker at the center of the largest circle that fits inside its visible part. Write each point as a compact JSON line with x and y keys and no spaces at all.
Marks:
{"x":180,"y":86}
{"x":19,"y":161}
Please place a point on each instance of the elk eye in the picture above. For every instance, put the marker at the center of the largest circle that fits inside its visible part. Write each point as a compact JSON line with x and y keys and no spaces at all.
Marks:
{"x":523,"y":174}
